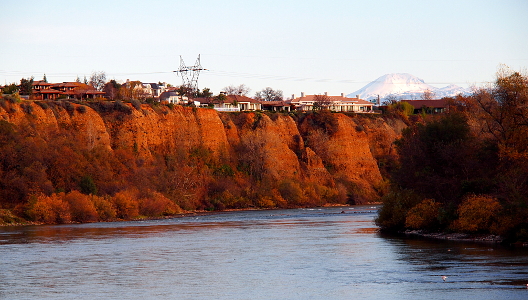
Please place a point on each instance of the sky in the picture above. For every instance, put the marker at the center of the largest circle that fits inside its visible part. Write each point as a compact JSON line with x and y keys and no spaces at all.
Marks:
{"x":290,"y":45}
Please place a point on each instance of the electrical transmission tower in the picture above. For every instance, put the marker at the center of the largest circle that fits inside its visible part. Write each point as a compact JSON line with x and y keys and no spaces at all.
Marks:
{"x":190,"y":74}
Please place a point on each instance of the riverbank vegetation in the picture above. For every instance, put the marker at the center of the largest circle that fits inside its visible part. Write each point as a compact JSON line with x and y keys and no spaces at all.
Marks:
{"x":466,"y":170}
{"x":49,"y":176}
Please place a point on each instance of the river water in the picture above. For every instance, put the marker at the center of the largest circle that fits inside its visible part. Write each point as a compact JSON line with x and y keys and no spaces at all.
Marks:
{"x":328,"y":253}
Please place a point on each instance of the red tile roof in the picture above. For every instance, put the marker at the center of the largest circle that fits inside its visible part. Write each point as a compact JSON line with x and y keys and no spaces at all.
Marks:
{"x":238,"y":98}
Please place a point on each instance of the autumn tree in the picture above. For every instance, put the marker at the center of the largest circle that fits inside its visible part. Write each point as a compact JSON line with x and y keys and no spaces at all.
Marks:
{"x":269,"y":94}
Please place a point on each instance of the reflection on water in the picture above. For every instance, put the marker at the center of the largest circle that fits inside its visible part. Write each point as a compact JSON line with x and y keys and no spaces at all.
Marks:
{"x":282,"y":254}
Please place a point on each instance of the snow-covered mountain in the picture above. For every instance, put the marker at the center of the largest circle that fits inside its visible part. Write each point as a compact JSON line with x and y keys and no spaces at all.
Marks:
{"x":404,"y":86}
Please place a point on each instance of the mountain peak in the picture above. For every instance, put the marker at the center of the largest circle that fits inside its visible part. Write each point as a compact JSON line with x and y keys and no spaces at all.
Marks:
{"x":403,"y":86}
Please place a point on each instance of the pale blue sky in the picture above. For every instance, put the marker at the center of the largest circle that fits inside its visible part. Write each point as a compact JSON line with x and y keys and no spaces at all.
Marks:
{"x":293,"y":45}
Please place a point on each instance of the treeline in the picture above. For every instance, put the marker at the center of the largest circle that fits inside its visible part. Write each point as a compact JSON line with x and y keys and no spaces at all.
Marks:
{"x":466,"y":170}
{"x":48,"y":175}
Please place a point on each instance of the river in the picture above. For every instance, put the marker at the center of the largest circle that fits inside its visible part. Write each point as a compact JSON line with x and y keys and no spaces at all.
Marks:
{"x":327,"y":253}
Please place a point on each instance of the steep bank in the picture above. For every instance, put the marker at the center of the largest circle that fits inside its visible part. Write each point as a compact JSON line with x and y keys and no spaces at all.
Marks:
{"x":199,"y":158}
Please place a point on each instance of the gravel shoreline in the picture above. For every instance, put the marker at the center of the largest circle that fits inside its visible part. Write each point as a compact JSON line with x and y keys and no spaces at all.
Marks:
{"x":462,"y":237}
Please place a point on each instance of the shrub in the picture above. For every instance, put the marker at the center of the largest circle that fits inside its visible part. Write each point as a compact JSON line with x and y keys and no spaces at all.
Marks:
{"x":291,"y":191}
{"x":477,"y":214}
{"x":104,"y":207}
{"x":423,"y":216}
{"x":81,"y":109}
{"x":7,"y":217}
{"x":81,"y":207}
{"x":393,"y":213}
{"x":49,"y":209}
{"x":126,"y":204}
{"x":122,"y":107}
{"x":156,"y":205}
{"x":27,"y":108}
{"x":42,"y":104}
{"x":136,"y":104}
{"x":13,"y":98}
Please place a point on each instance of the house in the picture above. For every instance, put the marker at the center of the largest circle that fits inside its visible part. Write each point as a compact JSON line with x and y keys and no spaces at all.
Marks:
{"x":277,"y":105}
{"x":428,"y":106}
{"x":173,"y":97}
{"x":155,"y":90}
{"x":232,"y":103}
{"x":66,"y":90}
{"x":333,"y":103}
{"x":243,"y":102}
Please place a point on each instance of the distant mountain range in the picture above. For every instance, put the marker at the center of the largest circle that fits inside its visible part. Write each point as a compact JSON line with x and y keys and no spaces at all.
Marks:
{"x":404,"y":86}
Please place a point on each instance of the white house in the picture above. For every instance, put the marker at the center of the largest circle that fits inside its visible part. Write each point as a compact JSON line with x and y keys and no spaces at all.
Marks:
{"x":333,"y":103}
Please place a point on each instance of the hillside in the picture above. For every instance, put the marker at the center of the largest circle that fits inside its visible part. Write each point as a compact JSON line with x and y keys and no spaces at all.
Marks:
{"x":191,"y":159}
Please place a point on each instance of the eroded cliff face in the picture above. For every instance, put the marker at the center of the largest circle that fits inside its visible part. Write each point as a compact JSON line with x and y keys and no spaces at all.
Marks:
{"x":274,"y":147}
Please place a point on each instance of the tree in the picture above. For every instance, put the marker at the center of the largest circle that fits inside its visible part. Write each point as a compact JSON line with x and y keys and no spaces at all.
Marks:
{"x":205,"y":93}
{"x":85,"y":81}
{"x":321,"y":102}
{"x":390,"y":99}
{"x":111,"y":89}
{"x":428,"y":95}
{"x":78,"y":79}
{"x":269,"y":94}
{"x":44,"y":78}
{"x":10,"y":89}
{"x":241,"y":90}
{"x":88,"y":186}
{"x":26,"y":86}
{"x":98,"y":80}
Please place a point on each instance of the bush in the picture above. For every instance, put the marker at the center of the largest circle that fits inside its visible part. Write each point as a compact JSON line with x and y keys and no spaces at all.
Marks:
{"x":12,"y":98}
{"x":157,"y":205}
{"x":423,"y":216}
{"x":291,"y":191}
{"x":477,"y":214}
{"x":104,"y":207}
{"x":81,"y":207}
{"x":42,"y":104}
{"x":49,"y":209}
{"x":136,"y":104}
{"x":393,"y":213}
{"x":7,"y":217}
{"x":126,"y":204}
{"x":27,"y":108}
{"x":81,"y":109}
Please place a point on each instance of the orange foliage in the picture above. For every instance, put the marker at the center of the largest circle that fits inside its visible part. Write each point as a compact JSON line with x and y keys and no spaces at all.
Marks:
{"x":423,"y":216}
{"x":105,"y":208}
{"x":81,"y":207}
{"x":477,"y":214}
{"x":156,"y":204}
{"x":49,"y":209}
{"x":126,"y":204}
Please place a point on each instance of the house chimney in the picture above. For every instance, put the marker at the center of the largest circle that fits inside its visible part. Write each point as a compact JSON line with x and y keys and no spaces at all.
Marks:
{"x":326,"y":93}
{"x":302,"y":94}
{"x":343,"y":95}
{"x":293,"y":96}
{"x":357,"y":96}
